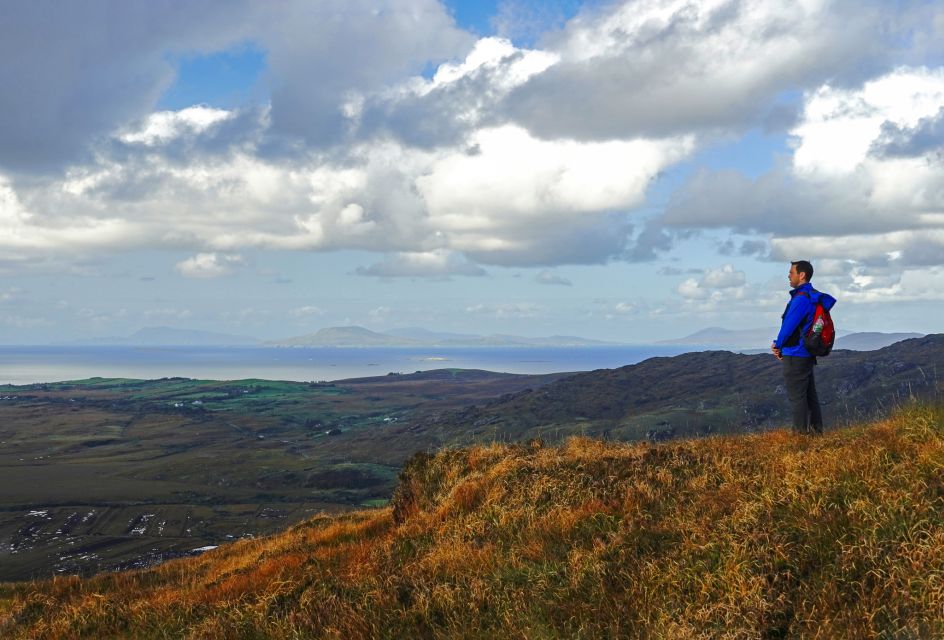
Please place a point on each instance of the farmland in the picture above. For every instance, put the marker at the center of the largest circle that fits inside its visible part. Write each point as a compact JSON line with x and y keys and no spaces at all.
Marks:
{"x":114,"y":473}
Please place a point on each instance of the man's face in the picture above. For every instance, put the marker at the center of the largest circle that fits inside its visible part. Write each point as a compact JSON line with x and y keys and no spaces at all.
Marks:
{"x":796,"y":279}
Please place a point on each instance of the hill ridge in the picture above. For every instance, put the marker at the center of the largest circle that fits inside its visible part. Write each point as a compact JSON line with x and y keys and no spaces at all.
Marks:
{"x":762,"y":535}
{"x":702,"y":386}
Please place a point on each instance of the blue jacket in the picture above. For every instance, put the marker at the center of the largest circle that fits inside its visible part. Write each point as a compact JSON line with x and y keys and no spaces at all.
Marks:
{"x":799,"y":315}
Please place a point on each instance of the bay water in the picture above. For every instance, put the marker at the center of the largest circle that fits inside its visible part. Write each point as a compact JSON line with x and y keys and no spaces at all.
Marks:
{"x":34,"y":364}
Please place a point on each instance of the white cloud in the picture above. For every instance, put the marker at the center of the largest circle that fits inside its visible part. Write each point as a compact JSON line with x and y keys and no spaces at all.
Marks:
{"x":514,"y":175}
{"x":661,"y":67}
{"x":208,"y":265}
{"x":512,"y":65}
{"x":106,"y":65}
{"x":97,"y":317}
{"x":379,"y":313}
{"x":80,"y":72}
{"x":25,"y":231}
{"x":515,"y":200}
{"x":307,"y":311}
{"x":10,"y":294}
{"x":864,"y":285}
{"x":716,"y":285}
{"x":460,"y":98}
{"x":167,"y":313}
{"x":507,"y":310}
{"x":690,"y":289}
{"x":911,"y":248}
{"x":620,"y":310}
{"x":549,"y":277}
{"x":873,"y":267}
{"x":840,"y":126}
{"x":724,"y":277}
{"x":25,"y":322}
{"x":506,"y":155}
{"x":208,"y":180}
{"x":870,"y":216}
{"x":164,"y":126}
{"x":436,"y":264}
{"x":322,"y":54}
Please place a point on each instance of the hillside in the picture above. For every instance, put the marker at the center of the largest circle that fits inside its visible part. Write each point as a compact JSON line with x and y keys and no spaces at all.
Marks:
{"x":768,"y":535}
{"x":702,"y":393}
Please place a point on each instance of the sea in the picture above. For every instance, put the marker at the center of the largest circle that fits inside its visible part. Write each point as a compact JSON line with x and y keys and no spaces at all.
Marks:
{"x":35,"y":364}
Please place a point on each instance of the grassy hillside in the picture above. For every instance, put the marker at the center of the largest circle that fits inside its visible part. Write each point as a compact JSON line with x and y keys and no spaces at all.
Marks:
{"x":769,"y":535}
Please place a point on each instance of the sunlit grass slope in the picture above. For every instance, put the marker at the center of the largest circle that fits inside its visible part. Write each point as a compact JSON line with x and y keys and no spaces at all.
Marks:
{"x":773,"y":535}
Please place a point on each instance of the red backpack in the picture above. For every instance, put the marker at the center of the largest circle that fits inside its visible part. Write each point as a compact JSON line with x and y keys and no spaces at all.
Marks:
{"x":821,"y":336}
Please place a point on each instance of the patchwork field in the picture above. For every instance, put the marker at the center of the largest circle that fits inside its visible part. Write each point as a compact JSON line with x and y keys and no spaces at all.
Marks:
{"x":111,"y":473}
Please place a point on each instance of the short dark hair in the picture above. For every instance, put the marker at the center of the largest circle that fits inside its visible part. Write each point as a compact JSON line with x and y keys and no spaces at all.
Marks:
{"x":802,"y":266}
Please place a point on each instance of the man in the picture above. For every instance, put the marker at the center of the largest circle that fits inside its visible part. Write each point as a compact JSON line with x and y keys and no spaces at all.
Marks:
{"x":788,"y":347}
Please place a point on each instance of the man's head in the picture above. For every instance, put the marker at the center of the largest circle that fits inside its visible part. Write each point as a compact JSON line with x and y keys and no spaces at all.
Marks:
{"x":801,"y":272}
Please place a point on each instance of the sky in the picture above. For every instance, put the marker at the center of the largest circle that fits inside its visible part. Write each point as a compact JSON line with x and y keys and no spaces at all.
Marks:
{"x":628,"y":171}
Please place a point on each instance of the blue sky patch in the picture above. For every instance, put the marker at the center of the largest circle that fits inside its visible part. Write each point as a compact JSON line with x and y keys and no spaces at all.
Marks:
{"x":225,"y":79}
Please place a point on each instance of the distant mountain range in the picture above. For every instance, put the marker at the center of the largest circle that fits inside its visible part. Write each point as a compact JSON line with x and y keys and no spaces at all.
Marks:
{"x":759,"y":339}
{"x":872,"y":340}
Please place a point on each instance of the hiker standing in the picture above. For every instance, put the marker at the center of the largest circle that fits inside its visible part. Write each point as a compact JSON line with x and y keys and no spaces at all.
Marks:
{"x":791,"y":348}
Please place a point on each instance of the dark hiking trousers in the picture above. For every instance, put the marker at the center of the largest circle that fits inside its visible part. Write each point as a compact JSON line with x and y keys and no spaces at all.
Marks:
{"x":801,"y":390}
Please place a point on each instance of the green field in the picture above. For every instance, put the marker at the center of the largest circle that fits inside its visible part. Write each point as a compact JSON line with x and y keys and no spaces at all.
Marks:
{"x":112,"y":473}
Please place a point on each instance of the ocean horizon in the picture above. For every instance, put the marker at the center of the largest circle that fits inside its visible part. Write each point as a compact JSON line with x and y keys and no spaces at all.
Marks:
{"x":21,"y":365}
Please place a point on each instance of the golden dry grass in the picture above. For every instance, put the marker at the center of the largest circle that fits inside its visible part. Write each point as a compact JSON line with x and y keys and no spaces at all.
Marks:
{"x":761,"y":536}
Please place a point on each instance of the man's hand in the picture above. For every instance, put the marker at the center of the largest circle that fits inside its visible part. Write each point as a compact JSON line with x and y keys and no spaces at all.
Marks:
{"x":776,"y":351}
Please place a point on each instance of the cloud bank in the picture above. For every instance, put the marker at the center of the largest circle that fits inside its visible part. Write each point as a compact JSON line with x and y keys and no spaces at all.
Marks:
{"x":499,"y":154}
{"x":864,"y":189}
